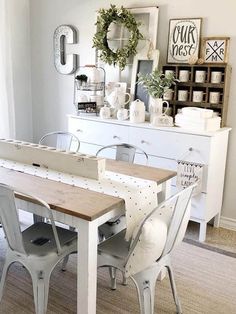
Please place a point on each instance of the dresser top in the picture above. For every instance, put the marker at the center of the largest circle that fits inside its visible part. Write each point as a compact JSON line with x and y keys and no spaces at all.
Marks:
{"x":147,"y":125}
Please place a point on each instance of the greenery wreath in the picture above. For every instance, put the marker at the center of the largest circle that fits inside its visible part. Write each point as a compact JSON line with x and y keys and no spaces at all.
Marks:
{"x":121,"y":16}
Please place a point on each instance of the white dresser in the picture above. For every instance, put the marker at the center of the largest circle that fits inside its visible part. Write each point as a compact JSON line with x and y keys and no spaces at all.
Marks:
{"x":164,"y":147}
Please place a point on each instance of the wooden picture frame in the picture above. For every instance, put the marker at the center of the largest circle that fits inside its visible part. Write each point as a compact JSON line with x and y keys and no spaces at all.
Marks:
{"x":145,"y":64}
{"x":148,"y":16}
{"x":183,"y":39}
{"x":215,"y":49}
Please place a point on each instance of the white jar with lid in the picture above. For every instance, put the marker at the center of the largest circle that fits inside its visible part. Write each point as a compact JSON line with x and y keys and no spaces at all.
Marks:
{"x":137,"y":111}
{"x":105,"y":112}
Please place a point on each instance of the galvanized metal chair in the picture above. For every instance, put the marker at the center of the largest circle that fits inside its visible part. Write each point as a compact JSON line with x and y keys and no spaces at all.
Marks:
{"x":65,"y":141}
{"x":149,"y":252}
{"x":39,"y":248}
{"x":61,"y":140}
{"x":124,"y":152}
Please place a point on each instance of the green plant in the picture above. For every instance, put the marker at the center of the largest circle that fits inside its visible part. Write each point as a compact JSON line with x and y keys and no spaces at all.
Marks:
{"x":119,"y":16}
{"x":156,"y":83}
{"x":82,"y":78}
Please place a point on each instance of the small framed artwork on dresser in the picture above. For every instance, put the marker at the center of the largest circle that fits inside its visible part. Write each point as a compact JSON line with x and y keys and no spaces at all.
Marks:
{"x":184,"y":39}
{"x":215,"y":49}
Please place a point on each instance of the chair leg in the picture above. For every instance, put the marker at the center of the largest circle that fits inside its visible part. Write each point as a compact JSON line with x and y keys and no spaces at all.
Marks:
{"x":124,"y":279}
{"x":145,"y":282}
{"x":173,"y":288}
{"x":66,"y":258}
{"x":40,"y":282}
{"x":64,"y":262}
{"x":112,"y":272}
{"x":6,"y":266}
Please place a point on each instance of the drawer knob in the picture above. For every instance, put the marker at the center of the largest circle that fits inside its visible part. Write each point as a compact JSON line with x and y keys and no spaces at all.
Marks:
{"x":79,"y":130}
{"x":116,"y":137}
{"x":143,"y":142}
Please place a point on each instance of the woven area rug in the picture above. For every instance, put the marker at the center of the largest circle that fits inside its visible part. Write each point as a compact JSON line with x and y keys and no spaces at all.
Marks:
{"x":206,"y":282}
{"x":219,"y":240}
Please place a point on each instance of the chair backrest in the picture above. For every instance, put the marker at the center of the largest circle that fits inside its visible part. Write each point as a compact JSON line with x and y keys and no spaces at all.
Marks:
{"x":61,"y":140}
{"x":160,"y":231}
{"x":10,"y":220}
{"x":124,"y":152}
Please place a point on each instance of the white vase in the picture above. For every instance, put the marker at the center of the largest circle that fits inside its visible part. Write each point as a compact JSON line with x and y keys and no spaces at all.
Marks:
{"x":156,"y":107}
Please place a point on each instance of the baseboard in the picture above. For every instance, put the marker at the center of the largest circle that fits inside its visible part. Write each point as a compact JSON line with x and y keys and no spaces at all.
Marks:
{"x":228,"y":223}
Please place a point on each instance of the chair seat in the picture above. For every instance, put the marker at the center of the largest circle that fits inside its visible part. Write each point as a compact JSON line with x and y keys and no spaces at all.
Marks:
{"x":115,"y":246}
{"x":41,"y":246}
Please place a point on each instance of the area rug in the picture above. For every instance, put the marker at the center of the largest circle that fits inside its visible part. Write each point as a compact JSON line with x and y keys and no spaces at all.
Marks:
{"x":206,"y":283}
{"x":219,"y":240}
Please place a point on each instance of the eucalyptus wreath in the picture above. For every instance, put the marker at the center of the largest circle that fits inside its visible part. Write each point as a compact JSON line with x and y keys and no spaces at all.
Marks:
{"x":119,"y":16}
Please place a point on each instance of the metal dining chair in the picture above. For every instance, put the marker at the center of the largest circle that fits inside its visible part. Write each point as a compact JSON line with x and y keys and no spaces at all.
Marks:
{"x":124,"y":152}
{"x":149,"y":251}
{"x":38,"y":248}
{"x":65,"y":141}
{"x":61,"y":140}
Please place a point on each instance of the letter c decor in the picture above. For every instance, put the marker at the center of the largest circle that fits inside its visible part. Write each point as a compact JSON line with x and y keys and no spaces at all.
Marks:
{"x":64,"y":63}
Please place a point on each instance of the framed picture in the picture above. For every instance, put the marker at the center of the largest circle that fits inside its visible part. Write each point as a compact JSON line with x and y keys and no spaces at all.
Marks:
{"x":142,"y":64}
{"x":215,"y":49}
{"x":184,"y":39}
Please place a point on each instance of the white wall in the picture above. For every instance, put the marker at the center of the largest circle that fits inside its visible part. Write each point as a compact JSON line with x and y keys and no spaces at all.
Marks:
{"x":53,"y":93}
{"x":21,"y":66}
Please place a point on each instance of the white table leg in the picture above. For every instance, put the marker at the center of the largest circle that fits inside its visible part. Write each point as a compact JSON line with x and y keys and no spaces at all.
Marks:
{"x":87,"y":267}
{"x":166,"y":191}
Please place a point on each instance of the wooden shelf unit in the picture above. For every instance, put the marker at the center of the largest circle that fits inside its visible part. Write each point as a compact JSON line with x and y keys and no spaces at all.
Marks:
{"x":206,"y":87}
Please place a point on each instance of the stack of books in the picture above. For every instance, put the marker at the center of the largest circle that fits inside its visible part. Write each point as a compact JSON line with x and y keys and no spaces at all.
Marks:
{"x":198,"y":119}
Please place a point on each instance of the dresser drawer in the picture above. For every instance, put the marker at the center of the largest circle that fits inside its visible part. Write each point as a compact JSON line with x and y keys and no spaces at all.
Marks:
{"x":99,"y":133}
{"x":171,"y":145}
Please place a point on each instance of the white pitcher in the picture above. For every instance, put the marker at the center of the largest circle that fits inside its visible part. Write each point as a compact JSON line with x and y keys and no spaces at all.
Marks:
{"x":156,"y":107}
{"x":137,"y":111}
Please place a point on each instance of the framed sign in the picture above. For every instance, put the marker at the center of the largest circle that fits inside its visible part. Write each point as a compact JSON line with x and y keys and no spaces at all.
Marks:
{"x":184,"y":39}
{"x":215,"y":49}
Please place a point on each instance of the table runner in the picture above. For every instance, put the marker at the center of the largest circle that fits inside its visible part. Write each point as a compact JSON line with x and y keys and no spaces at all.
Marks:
{"x":140,"y":195}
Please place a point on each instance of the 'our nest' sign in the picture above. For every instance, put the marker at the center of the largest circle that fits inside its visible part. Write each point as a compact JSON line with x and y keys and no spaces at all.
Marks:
{"x":184,"y":39}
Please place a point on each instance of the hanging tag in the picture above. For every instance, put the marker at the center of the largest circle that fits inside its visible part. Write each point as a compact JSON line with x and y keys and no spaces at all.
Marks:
{"x":189,"y":173}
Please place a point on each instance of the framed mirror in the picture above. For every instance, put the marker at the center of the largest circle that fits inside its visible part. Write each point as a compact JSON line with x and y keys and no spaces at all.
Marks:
{"x":143,"y":63}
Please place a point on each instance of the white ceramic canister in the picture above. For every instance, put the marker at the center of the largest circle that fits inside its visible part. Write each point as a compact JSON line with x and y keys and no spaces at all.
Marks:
{"x":122,"y":114}
{"x":137,"y":111}
{"x":105,"y":112}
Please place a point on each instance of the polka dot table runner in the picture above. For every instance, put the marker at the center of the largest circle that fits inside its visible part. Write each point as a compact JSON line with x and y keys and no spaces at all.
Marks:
{"x":140,"y":195}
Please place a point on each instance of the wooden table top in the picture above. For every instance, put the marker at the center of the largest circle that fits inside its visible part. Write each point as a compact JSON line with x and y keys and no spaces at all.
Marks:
{"x":77,"y":201}
{"x":145,"y":172}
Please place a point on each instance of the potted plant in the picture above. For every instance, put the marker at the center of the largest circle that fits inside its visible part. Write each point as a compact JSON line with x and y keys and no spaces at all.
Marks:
{"x":81,"y":79}
{"x":156,"y":84}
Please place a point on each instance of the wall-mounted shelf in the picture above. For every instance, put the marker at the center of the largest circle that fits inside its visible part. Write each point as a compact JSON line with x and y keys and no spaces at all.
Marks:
{"x":207,"y":87}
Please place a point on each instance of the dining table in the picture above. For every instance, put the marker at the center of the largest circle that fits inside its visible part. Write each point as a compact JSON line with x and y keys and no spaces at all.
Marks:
{"x":85,"y":210}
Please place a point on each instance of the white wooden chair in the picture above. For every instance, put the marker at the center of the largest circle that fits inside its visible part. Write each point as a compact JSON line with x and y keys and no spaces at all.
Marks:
{"x":150,"y":249}
{"x":61,"y":140}
{"x":39,"y":248}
